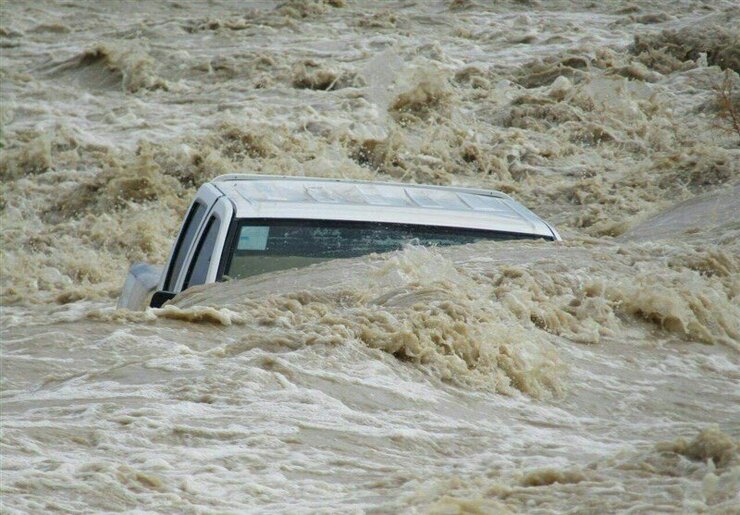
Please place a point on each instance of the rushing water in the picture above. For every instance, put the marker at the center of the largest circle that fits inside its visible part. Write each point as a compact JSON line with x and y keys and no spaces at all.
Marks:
{"x":596,"y":375}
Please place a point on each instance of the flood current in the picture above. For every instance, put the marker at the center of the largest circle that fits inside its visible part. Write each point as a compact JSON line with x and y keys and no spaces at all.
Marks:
{"x":594,"y":375}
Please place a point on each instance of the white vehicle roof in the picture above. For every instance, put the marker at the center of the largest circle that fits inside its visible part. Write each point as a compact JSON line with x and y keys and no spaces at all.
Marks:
{"x":273,"y":196}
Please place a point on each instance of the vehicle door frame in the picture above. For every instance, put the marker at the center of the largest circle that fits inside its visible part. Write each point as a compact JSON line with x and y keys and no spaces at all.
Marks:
{"x":207,"y":195}
{"x":223,"y":210}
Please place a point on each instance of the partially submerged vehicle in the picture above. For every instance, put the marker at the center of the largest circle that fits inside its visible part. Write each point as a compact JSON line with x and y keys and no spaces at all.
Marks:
{"x":244,"y":225}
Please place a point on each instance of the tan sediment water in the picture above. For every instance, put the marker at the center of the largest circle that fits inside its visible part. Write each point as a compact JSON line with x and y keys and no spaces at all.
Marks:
{"x":598,"y":374}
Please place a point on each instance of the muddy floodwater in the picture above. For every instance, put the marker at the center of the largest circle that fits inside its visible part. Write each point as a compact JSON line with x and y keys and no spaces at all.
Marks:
{"x":599,"y":374}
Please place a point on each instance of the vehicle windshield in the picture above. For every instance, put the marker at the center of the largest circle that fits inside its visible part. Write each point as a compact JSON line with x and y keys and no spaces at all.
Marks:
{"x":268,"y":245}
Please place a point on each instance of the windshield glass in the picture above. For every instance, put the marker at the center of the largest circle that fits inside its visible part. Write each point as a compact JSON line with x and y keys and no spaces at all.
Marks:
{"x":268,"y":245}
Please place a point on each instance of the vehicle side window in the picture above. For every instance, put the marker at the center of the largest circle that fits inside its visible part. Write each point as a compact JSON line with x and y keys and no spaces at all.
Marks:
{"x":195,"y":216}
{"x":203,"y":254}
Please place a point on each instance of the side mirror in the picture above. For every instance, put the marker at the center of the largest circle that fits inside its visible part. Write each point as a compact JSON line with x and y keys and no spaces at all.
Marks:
{"x":160,"y":297}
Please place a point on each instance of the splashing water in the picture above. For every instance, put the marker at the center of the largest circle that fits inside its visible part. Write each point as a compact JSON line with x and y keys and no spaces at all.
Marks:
{"x":597,"y":374}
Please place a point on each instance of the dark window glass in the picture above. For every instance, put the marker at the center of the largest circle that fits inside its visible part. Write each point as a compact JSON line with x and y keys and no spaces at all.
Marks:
{"x":268,"y":245}
{"x":203,"y":255}
{"x":196,"y":214}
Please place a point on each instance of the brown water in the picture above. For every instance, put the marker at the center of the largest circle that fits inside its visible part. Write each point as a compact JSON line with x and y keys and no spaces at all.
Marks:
{"x":595,"y":375}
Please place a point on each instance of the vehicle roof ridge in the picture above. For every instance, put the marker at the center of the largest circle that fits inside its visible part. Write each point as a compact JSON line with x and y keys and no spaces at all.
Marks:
{"x":297,"y":178}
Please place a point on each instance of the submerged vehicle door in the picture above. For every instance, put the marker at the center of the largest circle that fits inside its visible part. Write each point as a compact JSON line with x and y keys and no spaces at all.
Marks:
{"x":203,"y":260}
{"x":208,"y":205}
